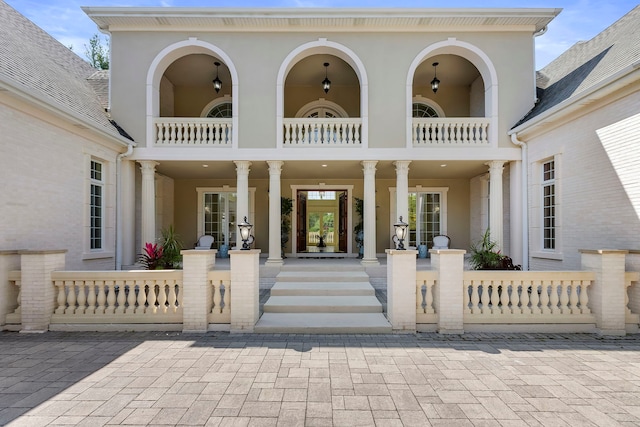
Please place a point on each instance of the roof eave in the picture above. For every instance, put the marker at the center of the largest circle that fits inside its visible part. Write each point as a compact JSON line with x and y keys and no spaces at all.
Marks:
{"x":572,"y":104}
{"x":61,"y":111}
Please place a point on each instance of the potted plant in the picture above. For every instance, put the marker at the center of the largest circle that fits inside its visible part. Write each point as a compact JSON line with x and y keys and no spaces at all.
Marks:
{"x":171,"y":245}
{"x":484,"y":256}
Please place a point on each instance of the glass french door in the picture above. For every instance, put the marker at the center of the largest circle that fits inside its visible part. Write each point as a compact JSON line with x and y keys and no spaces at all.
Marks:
{"x":425,"y":219}
{"x":220,"y":217}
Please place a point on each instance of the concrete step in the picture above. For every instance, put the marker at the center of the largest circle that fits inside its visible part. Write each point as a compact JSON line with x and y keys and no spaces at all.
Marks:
{"x":322,"y":288}
{"x":323,"y":304}
{"x":322,"y":276}
{"x":323,"y":323}
{"x":323,"y":266}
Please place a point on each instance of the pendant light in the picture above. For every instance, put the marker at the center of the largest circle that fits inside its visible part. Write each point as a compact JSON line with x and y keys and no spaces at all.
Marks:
{"x":435,"y":83}
{"x":326,"y":83}
{"x":217,"y":83}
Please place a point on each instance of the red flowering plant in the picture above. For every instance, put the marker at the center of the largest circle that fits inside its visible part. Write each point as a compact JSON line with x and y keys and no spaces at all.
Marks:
{"x":151,"y":257}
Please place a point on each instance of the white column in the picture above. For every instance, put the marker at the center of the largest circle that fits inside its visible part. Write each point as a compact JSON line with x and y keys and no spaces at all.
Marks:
{"x":148,"y":197}
{"x":515,"y":212}
{"x":242,"y":196}
{"x":402,"y":192}
{"x":275,"y":220}
{"x":495,"y":202}
{"x":369,"y":168}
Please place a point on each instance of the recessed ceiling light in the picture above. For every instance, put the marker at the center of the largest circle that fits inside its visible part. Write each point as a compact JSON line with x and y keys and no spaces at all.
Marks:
{"x":443,"y":165}
{"x":324,"y":166}
{"x":205,"y":166}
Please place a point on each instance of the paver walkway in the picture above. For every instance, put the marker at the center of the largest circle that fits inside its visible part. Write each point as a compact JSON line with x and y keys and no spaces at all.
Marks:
{"x":294,"y":380}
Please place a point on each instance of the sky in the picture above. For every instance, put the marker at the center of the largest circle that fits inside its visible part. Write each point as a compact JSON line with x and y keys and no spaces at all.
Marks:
{"x":580,"y":20}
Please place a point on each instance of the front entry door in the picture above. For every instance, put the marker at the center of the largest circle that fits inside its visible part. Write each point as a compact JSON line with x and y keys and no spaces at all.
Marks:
{"x":322,"y":213}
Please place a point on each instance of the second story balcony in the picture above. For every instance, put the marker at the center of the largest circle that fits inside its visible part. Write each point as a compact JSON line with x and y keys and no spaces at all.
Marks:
{"x":193,"y":132}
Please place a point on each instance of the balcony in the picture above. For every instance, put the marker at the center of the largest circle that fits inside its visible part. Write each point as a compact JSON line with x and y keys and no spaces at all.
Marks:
{"x":450,"y":132}
{"x":193,"y":132}
{"x":322,"y":132}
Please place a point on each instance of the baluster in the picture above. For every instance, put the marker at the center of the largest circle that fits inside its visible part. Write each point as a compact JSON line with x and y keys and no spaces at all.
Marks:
{"x":524,"y":297}
{"x":18,"y":309}
{"x":627,"y":310}
{"x":356,"y":136}
{"x":91,"y":297}
{"x":151,"y":298}
{"x":325,"y":133}
{"x":131,"y":296}
{"x":544,"y":297}
{"x":172,"y":297}
{"x":429,"y":297}
{"x":514,"y":298}
{"x":198,"y":133}
{"x":71,"y":297}
{"x":172,"y":132}
{"x":475,"y":297}
{"x":465,"y":296}
{"x":504,"y":297}
{"x":485,"y":136}
{"x":228,"y":134}
{"x":121,"y":297}
{"x":584,"y":298}
{"x":190,"y":136}
{"x":160,"y":136}
{"x":465,"y":133}
{"x":573,"y":298}
{"x":178,"y":295}
{"x":564,"y":297}
{"x":218,"y":133}
{"x":141,"y":298}
{"x":495,"y":296}
{"x":101,"y":298}
{"x":216,"y":297}
{"x":553,"y":298}
{"x":287,"y":134}
{"x":62,"y":297}
{"x":535,"y":297}
{"x":162,"y":296}
{"x":415,"y":140}
{"x":456,"y":131}
{"x":350,"y":134}
{"x":226,"y":297}
{"x":111,"y":297}
{"x":81,"y":298}
{"x":419,"y":297}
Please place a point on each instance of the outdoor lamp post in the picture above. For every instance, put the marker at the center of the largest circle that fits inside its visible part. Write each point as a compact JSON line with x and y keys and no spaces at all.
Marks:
{"x":245,"y":234}
{"x":401,"y":233}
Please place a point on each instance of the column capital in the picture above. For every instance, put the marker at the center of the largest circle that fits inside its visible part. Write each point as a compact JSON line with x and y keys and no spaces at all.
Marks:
{"x":148,"y":166}
{"x":402,"y":166}
{"x":275,"y":166}
{"x":242,"y":166}
{"x":496,"y":166}
{"x":369,"y":166}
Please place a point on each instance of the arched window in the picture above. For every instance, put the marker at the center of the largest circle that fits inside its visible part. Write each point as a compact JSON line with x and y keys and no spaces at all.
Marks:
{"x":421,"y":110}
{"x":220,"y":111}
{"x":321,"y":109}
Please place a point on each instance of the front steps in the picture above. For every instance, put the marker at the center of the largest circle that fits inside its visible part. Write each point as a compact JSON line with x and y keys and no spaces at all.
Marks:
{"x":323,"y":299}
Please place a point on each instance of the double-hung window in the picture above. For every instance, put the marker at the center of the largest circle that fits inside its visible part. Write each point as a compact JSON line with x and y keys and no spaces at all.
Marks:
{"x":96,"y":203}
{"x":548,"y":205}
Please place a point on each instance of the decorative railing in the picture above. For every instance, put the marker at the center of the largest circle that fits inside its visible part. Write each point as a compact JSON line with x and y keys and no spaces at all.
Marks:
{"x":527,"y":296}
{"x":425,"y":304}
{"x":220,"y":281}
{"x":447,"y":132}
{"x":193,"y":132}
{"x":322,"y":132}
{"x":153,"y":296}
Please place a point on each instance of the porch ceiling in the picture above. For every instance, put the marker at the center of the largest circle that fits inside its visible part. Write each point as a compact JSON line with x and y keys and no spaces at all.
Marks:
{"x":351,"y":169}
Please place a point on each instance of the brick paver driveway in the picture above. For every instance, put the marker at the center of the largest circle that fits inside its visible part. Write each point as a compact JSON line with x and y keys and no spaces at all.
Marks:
{"x":96,"y":379}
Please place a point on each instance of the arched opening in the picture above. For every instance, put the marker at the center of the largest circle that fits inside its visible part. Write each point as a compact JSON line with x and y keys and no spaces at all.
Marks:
{"x":467,"y":89}
{"x":300,"y":82}
{"x":180,"y":86}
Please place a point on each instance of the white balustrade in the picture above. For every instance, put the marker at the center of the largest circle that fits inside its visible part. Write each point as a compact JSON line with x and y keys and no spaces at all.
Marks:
{"x":425,"y":306}
{"x":445,"y":132}
{"x":190,"y":131}
{"x":322,"y":132}
{"x":120,"y":296}
{"x":220,"y":281}
{"x":530,"y":296}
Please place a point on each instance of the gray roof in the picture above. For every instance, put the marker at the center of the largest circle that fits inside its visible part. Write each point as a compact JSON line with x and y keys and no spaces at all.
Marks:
{"x":32,"y":60}
{"x":588,"y":63}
